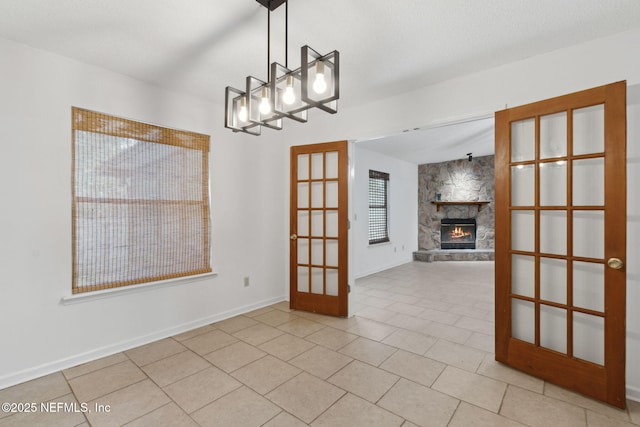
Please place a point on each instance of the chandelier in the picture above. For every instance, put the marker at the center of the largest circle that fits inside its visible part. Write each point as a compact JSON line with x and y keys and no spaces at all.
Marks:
{"x":286,"y":93}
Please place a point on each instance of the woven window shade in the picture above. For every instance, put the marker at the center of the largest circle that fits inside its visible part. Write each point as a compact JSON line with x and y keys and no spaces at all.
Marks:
{"x":140,"y":202}
{"x":378,"y":221}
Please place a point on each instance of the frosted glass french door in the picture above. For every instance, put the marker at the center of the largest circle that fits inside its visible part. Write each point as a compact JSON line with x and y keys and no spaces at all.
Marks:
{"x":561,"y":240}
{"x":319,"y":227}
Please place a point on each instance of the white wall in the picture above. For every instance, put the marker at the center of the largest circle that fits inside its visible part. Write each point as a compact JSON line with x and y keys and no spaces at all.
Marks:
{"x":403,"y":213}
{"x":250,"y":210}
{"x":39,"y":334}
{"x":563,"y":71}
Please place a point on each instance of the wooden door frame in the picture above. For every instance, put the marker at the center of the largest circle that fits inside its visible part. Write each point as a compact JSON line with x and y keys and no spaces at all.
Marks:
{"x":529,"y":357}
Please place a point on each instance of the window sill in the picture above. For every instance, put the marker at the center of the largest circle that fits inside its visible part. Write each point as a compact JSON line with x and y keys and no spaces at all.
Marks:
{"x":108,"y":293}
{"x":375,"y":245}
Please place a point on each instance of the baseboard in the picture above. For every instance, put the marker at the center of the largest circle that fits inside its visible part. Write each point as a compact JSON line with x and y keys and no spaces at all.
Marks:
{"x":59,"y":365}
{"x":378,"y":269}
{"x":633,"y":393}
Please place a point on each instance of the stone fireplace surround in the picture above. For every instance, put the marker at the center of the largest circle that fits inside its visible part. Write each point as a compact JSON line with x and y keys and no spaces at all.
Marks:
{"x":456,"y":181}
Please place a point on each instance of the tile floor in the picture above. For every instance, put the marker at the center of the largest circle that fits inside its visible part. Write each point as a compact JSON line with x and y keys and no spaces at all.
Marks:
{"x":419,"y":351}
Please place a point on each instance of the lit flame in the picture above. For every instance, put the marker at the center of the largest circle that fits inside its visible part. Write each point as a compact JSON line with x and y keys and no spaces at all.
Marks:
{"x":459,"y":233}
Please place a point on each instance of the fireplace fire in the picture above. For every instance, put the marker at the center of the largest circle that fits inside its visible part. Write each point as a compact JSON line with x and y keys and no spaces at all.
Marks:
{"x":458,"y":233}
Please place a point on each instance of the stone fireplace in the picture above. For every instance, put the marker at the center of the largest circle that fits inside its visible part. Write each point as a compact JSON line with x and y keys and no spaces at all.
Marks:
{"x":466,"y":192}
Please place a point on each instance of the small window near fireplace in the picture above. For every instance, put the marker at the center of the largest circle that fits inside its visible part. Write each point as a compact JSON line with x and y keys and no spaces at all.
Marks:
{"x":458,"y":233}
{"x":378,"y":207}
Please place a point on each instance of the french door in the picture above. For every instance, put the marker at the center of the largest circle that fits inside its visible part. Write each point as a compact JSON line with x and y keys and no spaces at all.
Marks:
{"x":319,"y":228}
{"x":561,"y":240}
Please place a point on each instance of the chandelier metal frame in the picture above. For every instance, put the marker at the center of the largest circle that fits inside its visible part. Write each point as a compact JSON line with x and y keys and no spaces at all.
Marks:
{"x":286,"y":93}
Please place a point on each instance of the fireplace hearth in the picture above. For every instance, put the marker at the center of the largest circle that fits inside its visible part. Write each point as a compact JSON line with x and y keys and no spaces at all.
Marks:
{"x":458,"y":233}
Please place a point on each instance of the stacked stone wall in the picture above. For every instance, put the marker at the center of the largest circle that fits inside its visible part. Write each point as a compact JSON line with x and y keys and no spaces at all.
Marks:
{"x":456,"y":181}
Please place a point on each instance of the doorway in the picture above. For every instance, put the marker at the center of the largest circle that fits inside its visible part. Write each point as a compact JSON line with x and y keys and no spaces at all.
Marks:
{"x":634,"y":230}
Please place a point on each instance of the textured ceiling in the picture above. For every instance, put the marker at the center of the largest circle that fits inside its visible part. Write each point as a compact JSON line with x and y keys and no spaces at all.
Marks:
{"x":200,"y":46}
{"x":439,"y":143}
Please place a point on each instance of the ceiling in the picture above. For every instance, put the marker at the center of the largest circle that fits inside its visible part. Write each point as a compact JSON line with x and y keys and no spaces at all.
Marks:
{"x":198,"y":47}
{"x":437,"y":143}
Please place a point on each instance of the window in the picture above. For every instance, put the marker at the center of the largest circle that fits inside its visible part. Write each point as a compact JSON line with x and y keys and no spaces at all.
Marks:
{"x":378,"y":207}
{"x":140,"y":205}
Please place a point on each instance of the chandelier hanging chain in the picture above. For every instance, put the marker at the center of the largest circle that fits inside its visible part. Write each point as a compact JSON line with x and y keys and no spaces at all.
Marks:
{"x":286,"y":38}
{"x":268,"y":43}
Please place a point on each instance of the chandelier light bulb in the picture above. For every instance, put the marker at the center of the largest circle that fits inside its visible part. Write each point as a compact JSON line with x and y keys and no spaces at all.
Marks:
{"x":265,"y":105}
{"x":243,"y":114}
{"x":320,"y":84}
{"x":289,"y":96}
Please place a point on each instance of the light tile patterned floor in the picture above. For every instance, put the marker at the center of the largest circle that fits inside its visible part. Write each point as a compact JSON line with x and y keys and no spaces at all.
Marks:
{"x":418,"y":352}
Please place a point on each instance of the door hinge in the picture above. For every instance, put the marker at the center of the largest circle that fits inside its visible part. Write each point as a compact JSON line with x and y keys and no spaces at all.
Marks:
{"x":348,"y":224}
{"x":348,"y":289}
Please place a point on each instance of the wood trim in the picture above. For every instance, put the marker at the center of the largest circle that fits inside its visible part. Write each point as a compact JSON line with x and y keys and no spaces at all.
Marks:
{"x":343,"y":228}
{"x":440,"y":203}
{"x":569,"y":257}
{"x":502,"y":235}
{"x":616,"y":236}
{"x":556,"y":368}
{"x":320,"y":303}
{"x":536,"y":216}
{"x":605,"y":382}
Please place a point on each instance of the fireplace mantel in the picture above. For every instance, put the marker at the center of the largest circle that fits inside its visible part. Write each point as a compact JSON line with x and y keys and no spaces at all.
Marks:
{"x":478,"y":203}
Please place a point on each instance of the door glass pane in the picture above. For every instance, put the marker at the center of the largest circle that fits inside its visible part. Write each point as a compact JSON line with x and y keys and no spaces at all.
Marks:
{"x":553,"y":232}
{"x":553,"y":135}
{"x":522,"y":230}
{"x":303,"y":279}
{"x":523,"y":139}
{"x":303,"y":251}
{"x":332,"y":223}
{"x":553,"y":328}
{"x":316,"y":194}
{"x":588,"y":182}
{"x":523,"y":185}
{"x":522,"y":320}
{"x":588,"y":337}
{"x":588,"y":130}
{"x":317,"y":166}
{"x":553,"y":280}
{"x":553,"y":183}
{"x":303,"y":194}
{"x":331,"y":159}
{"x":332,"y":282}
{"x":317,"y":280}
{"x":588,"y":285}
{"x":332,"y":194}
{"x":332,"y":253}
{"x":317,"y":223}
{"x":317,"y":252}
{"x":303,"y":223}
{"x":303,"y":166}
{"x":522,"y":275}
{"x":588,"y":234}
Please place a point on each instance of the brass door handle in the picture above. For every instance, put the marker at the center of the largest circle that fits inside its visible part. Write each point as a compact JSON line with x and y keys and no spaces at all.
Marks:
{"x":294,"y":237}
{"x":615,"y":263}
